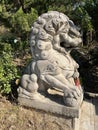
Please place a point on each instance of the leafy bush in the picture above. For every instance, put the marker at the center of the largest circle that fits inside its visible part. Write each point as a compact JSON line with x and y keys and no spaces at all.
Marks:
{"x":8,"y":70}
{"x":21,"y":22}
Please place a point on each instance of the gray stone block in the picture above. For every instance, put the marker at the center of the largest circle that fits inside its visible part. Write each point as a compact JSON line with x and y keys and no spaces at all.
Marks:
{"x":49,"y":105}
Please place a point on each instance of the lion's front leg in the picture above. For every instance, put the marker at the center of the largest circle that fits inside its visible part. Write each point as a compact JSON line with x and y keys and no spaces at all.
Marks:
{"x":72,"y":94}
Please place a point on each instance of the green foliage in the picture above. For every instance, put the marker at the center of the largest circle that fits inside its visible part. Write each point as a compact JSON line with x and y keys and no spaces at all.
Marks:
{"x":7,"y":38}
{"x":8,"y":70}
{"x":61,"y":8}
{"x":21,"y":22}
{"x":82,"y":18}
{"x":14,"y":41}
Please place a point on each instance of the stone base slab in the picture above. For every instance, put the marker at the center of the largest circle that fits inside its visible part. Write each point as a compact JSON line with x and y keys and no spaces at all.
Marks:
{"x":49,"y":105}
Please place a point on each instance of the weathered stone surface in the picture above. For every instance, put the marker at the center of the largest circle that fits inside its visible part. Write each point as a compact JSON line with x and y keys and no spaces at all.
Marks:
{"x":89,"y":115}
{"x":52,"y":38}
{"x":50,"y":106}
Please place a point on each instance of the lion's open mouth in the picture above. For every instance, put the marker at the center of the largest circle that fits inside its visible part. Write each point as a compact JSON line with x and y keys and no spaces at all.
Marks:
{"x":68,"y":46}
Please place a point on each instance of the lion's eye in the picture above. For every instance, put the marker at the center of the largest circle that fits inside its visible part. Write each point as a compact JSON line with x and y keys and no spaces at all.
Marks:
{"x":72,"y":35}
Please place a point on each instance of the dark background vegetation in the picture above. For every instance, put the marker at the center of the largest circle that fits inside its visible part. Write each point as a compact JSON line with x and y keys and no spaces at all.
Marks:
{"x":16,"y":19}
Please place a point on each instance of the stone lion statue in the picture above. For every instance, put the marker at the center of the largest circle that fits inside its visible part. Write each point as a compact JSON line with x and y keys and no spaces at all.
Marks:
{"x":52,"y":38}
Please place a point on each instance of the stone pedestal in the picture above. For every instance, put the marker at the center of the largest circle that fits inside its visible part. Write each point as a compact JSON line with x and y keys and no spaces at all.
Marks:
{"x":59,"y":116}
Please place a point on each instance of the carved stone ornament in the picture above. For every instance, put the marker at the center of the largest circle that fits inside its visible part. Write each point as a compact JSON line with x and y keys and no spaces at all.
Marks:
{"x":52,"y":38}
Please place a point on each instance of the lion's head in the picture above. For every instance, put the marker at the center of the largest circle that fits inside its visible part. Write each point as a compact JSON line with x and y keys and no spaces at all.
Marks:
{"x":57,"y":28}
